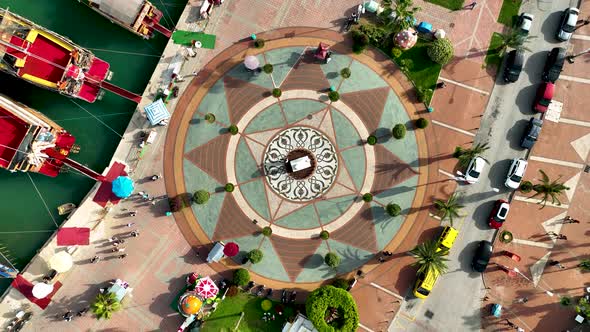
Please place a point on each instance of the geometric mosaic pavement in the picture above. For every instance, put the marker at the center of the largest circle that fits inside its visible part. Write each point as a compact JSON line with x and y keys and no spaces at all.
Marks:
{"x":329,"y":198}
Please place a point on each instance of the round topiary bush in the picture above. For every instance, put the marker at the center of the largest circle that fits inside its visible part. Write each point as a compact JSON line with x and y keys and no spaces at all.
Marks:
{"x":421,"y":123}
{"x":229,"y":187}
{"x":526,"y":187}
{"x":341,"y":283}
{"x":371,"y":140}
{"x":259,"y":43}
{"x":399,"y":131}
{"x":334,"y":96}
{"x":323,"y":302}
{"x":345,"y":72}
{"x":393,"y":209}
{"x":201,"y":196}
{"x":332,"y":260}
{"x":241,"y":277}
{"x":324,"y":235}
{"x":565,"y":301}
{"x":276,"y":92}
{"x":255,"y":256}
{"x":441,"y":51}
{"x":267,"y":68}
{"x":266,"y":305}
{"x":233,"y":129}
{"x":210,"y":117}
{"x":396,"y":52}
{"x":506,"y":237}
{"x":267,"y":231}
{"x":367,"y":197}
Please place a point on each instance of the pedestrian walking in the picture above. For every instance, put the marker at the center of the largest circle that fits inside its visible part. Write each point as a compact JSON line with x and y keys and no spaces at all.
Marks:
{"x":135,"y":233}
{"x":381,"y":259}
{"x":388,"y":253}
{"x":561,"y":237}
{"x":440,"y":85}
{"x":112,"y":239}
{"x":122,"y":256}
{"x":141,"y":193}
{"x":129,"y":224}
{"x":567,"y":218}
{"x":156,"y":177}
{"x":132,"y":213}
{"x":485,"y":298}
{"x":83,"y":311}
{"x":68,"y":316}
{"x":573,"y":221}
{"x":118,"y":250}
{"x":94,"y":259}
{"x":471,"y":5}
{"x":521,"y":300}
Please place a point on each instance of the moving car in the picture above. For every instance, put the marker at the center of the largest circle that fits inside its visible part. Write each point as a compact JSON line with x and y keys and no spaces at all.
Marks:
{"x":499,"y":213}
{"x":447,"y":238}
{"x":544,"y":97}
{"x":515,"y":173}
{"x":554,"y":64}
{"x":482,"y":256}
{"x":424,"y":283}
{"x":569,"y":18}
{"x":514,"y":63}
{"x":474,"y":169}
{"x":531,"y":134}
{"x":524,"y":23}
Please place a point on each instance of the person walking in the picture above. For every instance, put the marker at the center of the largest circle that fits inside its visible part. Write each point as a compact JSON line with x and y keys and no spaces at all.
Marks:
{"x":122,"y":256}
{"x":135,"y":233}
{"x":94,"y":259}
{"x":130,"y":224}
{"x":132,"y":213}
{"x":556,"y":263}
{"x":471,"y":6}
{"x":521,"y":300}
{"x":68,"y":316}
{"x":156,"y":177}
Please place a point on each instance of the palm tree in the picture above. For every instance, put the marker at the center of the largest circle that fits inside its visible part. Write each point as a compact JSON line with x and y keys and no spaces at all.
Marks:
{"x":404,"y":15}
{"x":548,"y":189}
{"x":429,"y":258}
{"x":513,"y":39}
{"x":104,"y":305}
{"x":466,"y":155}
{"x":449,"y":209}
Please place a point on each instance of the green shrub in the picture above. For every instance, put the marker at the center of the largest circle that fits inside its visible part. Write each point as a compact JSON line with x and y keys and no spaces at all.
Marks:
{"x":399,"y":131}
{"x":375,"y":34}
{"x":367,"y":197}
{"x":371,"y":140}
{"x":360,"y":41}
{"x":210,"y":117}
{"x":506,"y":237}
{"x":441,"y":51}
{"x":266,"y":305}
{"x":233,"y":129}
{"x":423,"y":94}
{"x":267,"y":231}
{"x":421,"y":123}
{"x":396,"y":52}
{"x":345,"y":72}
{"x":324,"y":235}
{"x":259,"y":43}
{"x":267,"y":68}
{"x":327,"y":298}
{"x":229,"y":187}
{"x":584,"y":265}
{"x":255,"y":256}
{"x":276,"y":92}
{"x":334,"y":95}
{"x":341,"y":283}
{"x":241,"y":277}
{"x":458,"y":152}
{"x":177,"y":203}
{"x":393,"y":209}
{"x":565,"y":301}
{"x":526,"y":187}
{"x":332,"y":260}
{"x":201,"y":196}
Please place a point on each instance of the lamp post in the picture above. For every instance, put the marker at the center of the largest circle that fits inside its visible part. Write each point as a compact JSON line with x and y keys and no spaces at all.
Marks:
{"x":570,"y":58}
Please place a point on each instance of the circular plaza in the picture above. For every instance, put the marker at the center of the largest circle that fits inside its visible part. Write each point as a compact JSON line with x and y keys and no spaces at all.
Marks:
{"x":299,"y":163}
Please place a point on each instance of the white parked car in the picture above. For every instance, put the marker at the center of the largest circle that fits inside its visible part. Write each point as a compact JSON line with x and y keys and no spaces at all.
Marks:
{"x":474,"y":169}
{"x":525,"y":21}
{"x":515,"y":173}
{"x":569,"y":19}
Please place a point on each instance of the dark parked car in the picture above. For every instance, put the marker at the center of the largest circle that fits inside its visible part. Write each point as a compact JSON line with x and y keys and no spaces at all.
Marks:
{"x":514,"y":63}
{"x":482,"y":256}
{"x":554,"y":64}
{"x":531,"y":134}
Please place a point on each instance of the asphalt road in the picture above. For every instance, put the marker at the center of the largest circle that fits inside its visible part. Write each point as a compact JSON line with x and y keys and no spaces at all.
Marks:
{"x":455,"y":303}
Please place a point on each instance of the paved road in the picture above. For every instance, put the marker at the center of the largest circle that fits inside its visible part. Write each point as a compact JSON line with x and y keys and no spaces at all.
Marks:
{"x":455,"y":303}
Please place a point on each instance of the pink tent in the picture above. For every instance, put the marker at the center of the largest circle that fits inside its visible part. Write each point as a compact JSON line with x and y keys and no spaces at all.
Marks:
{"x":231,"y":249}
{"x":406,"y":39}
{"x":206,"y":288}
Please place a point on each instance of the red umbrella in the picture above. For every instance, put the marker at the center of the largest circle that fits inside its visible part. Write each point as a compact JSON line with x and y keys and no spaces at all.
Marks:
{"x":206,"y":288}
{"x":231,"y":249}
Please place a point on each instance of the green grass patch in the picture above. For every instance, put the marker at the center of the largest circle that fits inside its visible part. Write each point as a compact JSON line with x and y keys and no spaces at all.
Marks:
{"x":509,"y":12}
{"x":450,"y":4}
{"x":228,"y":312}
{"x":493,"y":57}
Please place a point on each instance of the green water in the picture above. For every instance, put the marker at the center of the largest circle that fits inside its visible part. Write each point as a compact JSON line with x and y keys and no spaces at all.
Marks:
{"x":28,"y":202}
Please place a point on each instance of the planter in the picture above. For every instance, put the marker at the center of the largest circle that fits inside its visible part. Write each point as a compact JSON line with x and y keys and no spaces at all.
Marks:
{"x":506,"y":237}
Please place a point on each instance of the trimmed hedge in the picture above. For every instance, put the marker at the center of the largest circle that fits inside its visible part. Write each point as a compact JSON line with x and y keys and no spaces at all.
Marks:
{"x":332,"y":260}
{"x":267,"y":68}
{"x":267,"y":231}
{"x":324,"y":235}
{"x":255,"y":256}
{"x":399,"y":131}
{"x":393,"y":209}
{"x":210,"y":117}
{"x":345,"y":72}
{"x":241,"y":277}
{"x":259,"y":43}
{"x":334,"y":95}
{"x":341,"y":283}
{"x":229,"y":187}
{"x":233,"y":129}
{"x":371,"y":140}
{"x":367,"y":197}
{"x":326,"y":297}
{"x":441,"y":51}
{"x":201,"y":196}
{"x":276,"y":92}
{"x":421,"y":123}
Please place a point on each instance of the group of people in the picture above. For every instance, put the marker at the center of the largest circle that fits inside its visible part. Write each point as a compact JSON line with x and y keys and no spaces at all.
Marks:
{"x":69,"y":315}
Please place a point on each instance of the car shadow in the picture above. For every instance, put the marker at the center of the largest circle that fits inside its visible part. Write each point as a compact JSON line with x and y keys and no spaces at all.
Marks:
{"x":515,"y":133}
{"x":466,"y":256}
{"x":482,"y":213}
{"x":550,"y":26}
{"x":533,"y":66}
{"x":497,"y":174}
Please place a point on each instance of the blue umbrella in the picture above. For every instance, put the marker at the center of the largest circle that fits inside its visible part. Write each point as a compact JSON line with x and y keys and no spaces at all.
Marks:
{"x":123,"y":186}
